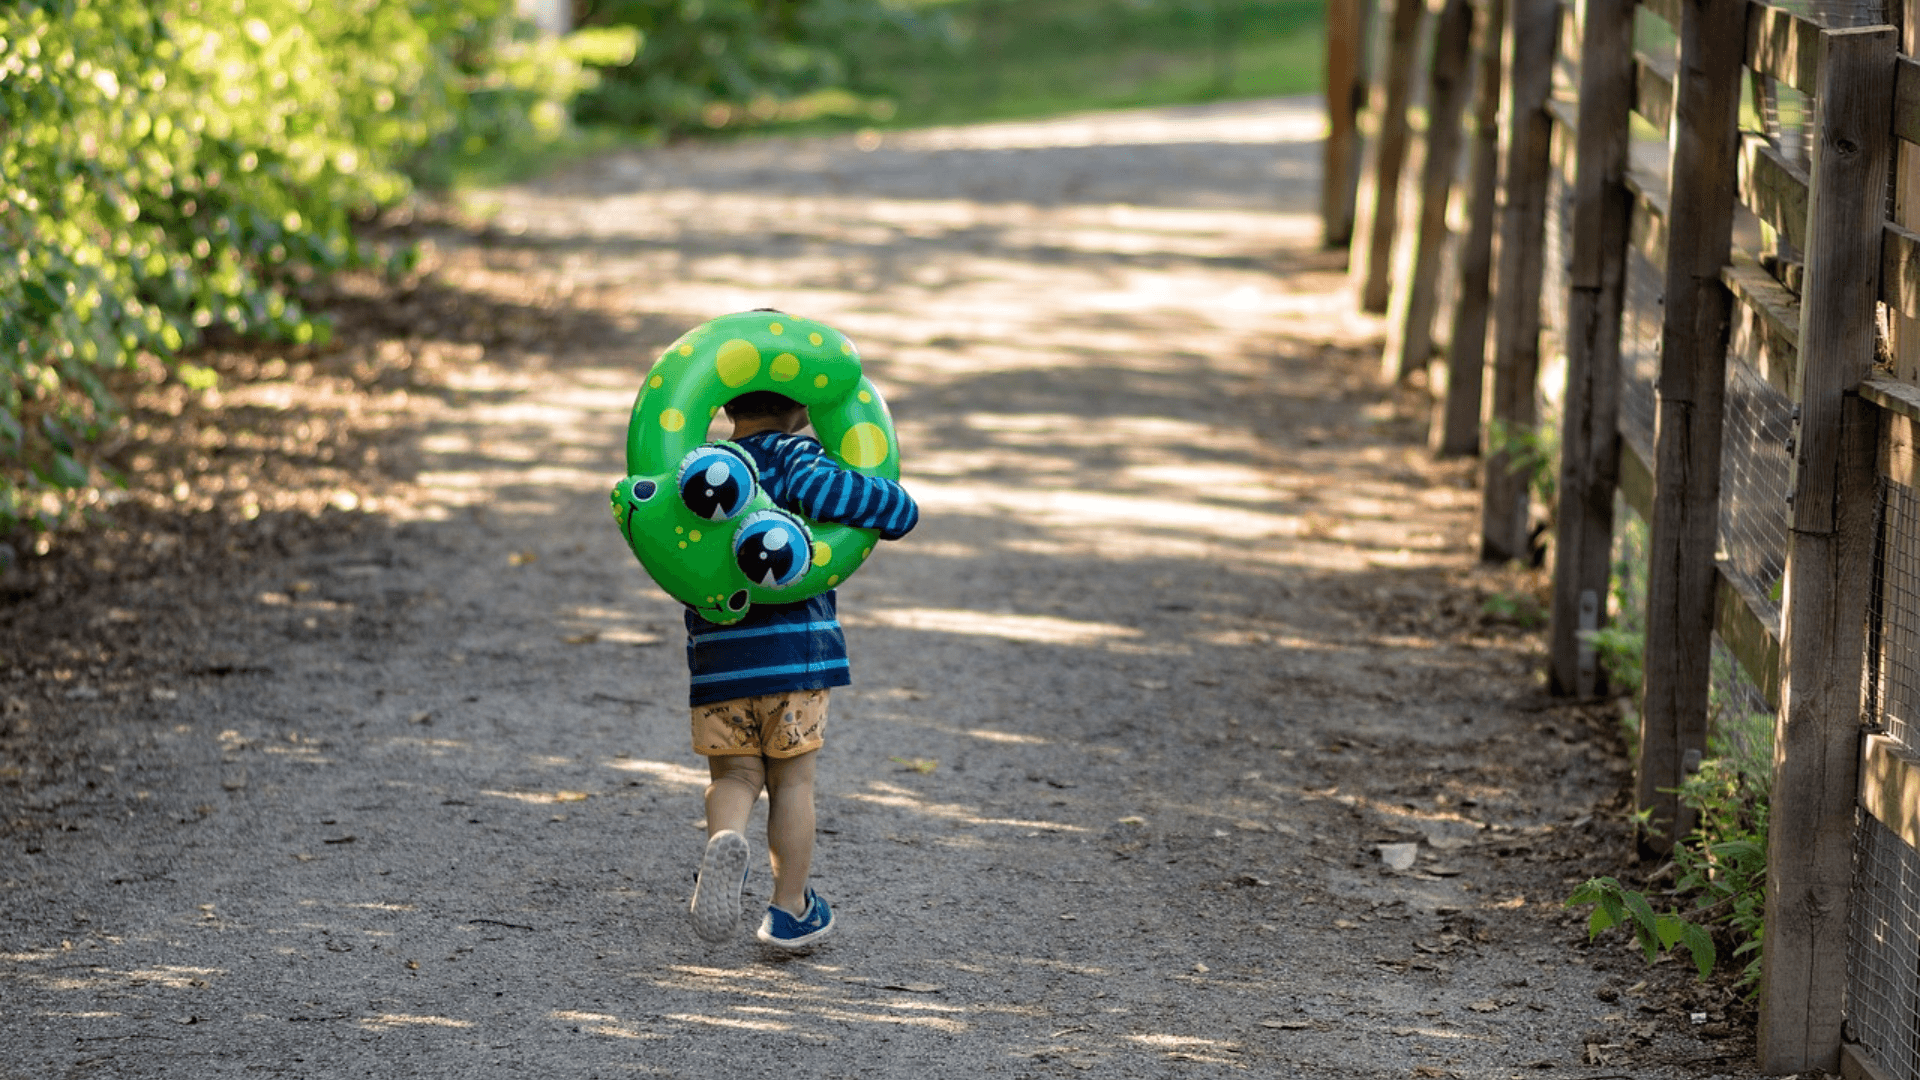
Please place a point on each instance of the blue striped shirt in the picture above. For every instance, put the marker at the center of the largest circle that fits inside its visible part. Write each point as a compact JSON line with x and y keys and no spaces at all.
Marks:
{"x":799,"y":646}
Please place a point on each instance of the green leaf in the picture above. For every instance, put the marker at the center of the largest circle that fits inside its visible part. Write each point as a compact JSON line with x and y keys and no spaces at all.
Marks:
{"x":1590,"y":891}
{"x":1601,"y":920}
{"x":1643,"y":917}
{"x":64,"y":472}
{"x":1700,"y":944}
{"x":40,"y":298}
{"x":197,"y":377}
{"x":1670,"y":929}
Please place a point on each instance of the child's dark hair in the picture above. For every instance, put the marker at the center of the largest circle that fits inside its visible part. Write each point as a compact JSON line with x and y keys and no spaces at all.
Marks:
{"x":760,"y":405}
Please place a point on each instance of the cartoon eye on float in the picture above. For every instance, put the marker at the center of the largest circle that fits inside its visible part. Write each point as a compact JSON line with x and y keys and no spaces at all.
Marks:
{"x":628,"y":494}
{"x":773,"y":549}
{"x":716,"y":482}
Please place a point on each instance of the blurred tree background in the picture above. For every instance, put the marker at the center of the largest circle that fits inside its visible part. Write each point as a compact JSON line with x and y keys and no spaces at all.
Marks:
{"x":170,"y":170}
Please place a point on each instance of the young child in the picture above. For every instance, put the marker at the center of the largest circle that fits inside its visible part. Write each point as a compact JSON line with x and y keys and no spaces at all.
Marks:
{"x":760,"y":685}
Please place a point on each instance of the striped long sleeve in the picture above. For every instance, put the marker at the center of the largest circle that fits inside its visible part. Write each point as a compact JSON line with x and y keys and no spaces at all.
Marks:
{"x":799,"y":475}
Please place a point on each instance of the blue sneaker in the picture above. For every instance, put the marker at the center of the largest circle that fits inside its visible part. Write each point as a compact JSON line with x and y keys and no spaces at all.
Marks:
{"x":783,"y":931}
{"x":716,"y":893}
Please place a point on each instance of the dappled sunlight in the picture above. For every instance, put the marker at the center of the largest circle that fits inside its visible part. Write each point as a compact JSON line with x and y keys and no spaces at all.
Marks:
{"x":1038,"y":629}
{"x":743,"y":1023}
{"x":895,"y":799}
{"x":1179,"y":1042}
{"x":1236,"y":483}
{"x":392,"y":1021}
{"x":1016,"y":738}
{"x":1132,"y":127}
{"x":432,"y":745}
{"x":1083,"y":508}
{"x":603,"y":1024}
{"x":672,"y":772}
{"x":97,"y":976}
{"x":938,"y":1023}
{"x":537,"y":798}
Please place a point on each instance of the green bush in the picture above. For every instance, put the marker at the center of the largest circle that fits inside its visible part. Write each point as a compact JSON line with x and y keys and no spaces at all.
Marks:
{"x":167,"y":170}
{"x":705,"y":61}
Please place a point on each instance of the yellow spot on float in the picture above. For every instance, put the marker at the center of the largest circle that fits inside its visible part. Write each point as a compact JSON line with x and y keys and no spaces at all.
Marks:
{"x":820,"y":381}
{"x":832,"y":580}
{"x":864,"y":446}
{"x":815,"y":338}
{"x":683,"y":543}
{"x":672,"y":419}
{"x":866,"y":398}
{"x":776,"y":328}
{"x":686,"y":350}
{"x":821,"y":552}
{"x":679,"y":528}
{"x":846,"y":348}
{"x":694,"y":536}
{"x":656,"y":382}
{"x":737,"y":362}
{"x":784,"y":367}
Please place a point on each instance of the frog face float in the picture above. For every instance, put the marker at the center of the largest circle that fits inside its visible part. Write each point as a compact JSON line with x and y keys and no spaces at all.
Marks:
{"x":693,"y":511}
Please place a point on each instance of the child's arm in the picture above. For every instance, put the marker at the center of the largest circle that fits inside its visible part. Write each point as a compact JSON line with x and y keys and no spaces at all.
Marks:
{"x":818,"y":487}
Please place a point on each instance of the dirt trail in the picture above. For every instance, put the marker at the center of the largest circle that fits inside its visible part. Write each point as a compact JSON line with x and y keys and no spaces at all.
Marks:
{"x":1189,"y":639}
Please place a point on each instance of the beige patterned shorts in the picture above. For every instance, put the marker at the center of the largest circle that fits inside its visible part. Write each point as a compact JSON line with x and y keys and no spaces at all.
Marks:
{"x":781,"y":725}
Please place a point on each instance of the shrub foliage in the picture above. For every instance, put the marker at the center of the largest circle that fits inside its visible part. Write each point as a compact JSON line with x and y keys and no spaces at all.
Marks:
{"x":167,"y":170}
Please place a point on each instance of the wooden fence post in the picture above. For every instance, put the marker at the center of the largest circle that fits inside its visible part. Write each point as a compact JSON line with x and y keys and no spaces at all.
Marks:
{"x":1456,"y":418}
{"x":1596,"y":272}
{"x":1690,"y":397}
{"x":1531,"y":38}
{"x":1411,"y":306}
{"x":1346,"y":85}
{"x":1829,"y":563}
{"x":1905,"y":330}
{"x":1378,"y":207}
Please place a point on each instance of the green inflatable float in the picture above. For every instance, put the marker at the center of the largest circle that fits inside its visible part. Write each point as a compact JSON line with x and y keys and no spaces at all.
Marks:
{"x":693,"y":511}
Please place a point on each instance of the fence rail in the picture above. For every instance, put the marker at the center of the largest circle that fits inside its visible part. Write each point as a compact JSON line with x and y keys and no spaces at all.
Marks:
{"x":1698,"y":226}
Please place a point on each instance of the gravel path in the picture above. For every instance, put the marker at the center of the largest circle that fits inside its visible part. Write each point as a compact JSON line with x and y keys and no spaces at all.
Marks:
{"x":1182,"y":742}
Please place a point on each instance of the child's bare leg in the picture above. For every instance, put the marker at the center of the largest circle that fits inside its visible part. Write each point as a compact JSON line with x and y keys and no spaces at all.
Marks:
{"x":790,"y":828}
{"x":737,"y":780}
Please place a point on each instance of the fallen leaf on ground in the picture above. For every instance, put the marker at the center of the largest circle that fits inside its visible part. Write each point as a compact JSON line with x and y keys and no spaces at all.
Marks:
{"x":916,"y":764}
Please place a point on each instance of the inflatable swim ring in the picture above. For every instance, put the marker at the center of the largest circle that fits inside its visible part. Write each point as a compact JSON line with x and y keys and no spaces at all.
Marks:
{"x":693,"y":511}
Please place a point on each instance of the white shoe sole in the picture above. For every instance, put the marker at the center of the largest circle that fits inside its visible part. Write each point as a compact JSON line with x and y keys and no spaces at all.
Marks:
{"x":716,"y":896}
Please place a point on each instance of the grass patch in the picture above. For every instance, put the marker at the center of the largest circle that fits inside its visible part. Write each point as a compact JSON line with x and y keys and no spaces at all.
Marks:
{"x":517,"y":162}
{"x":1003,"y":59}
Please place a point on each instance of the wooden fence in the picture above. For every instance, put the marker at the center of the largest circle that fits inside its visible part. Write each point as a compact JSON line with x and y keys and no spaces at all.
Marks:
{"x":1692,"y":205}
